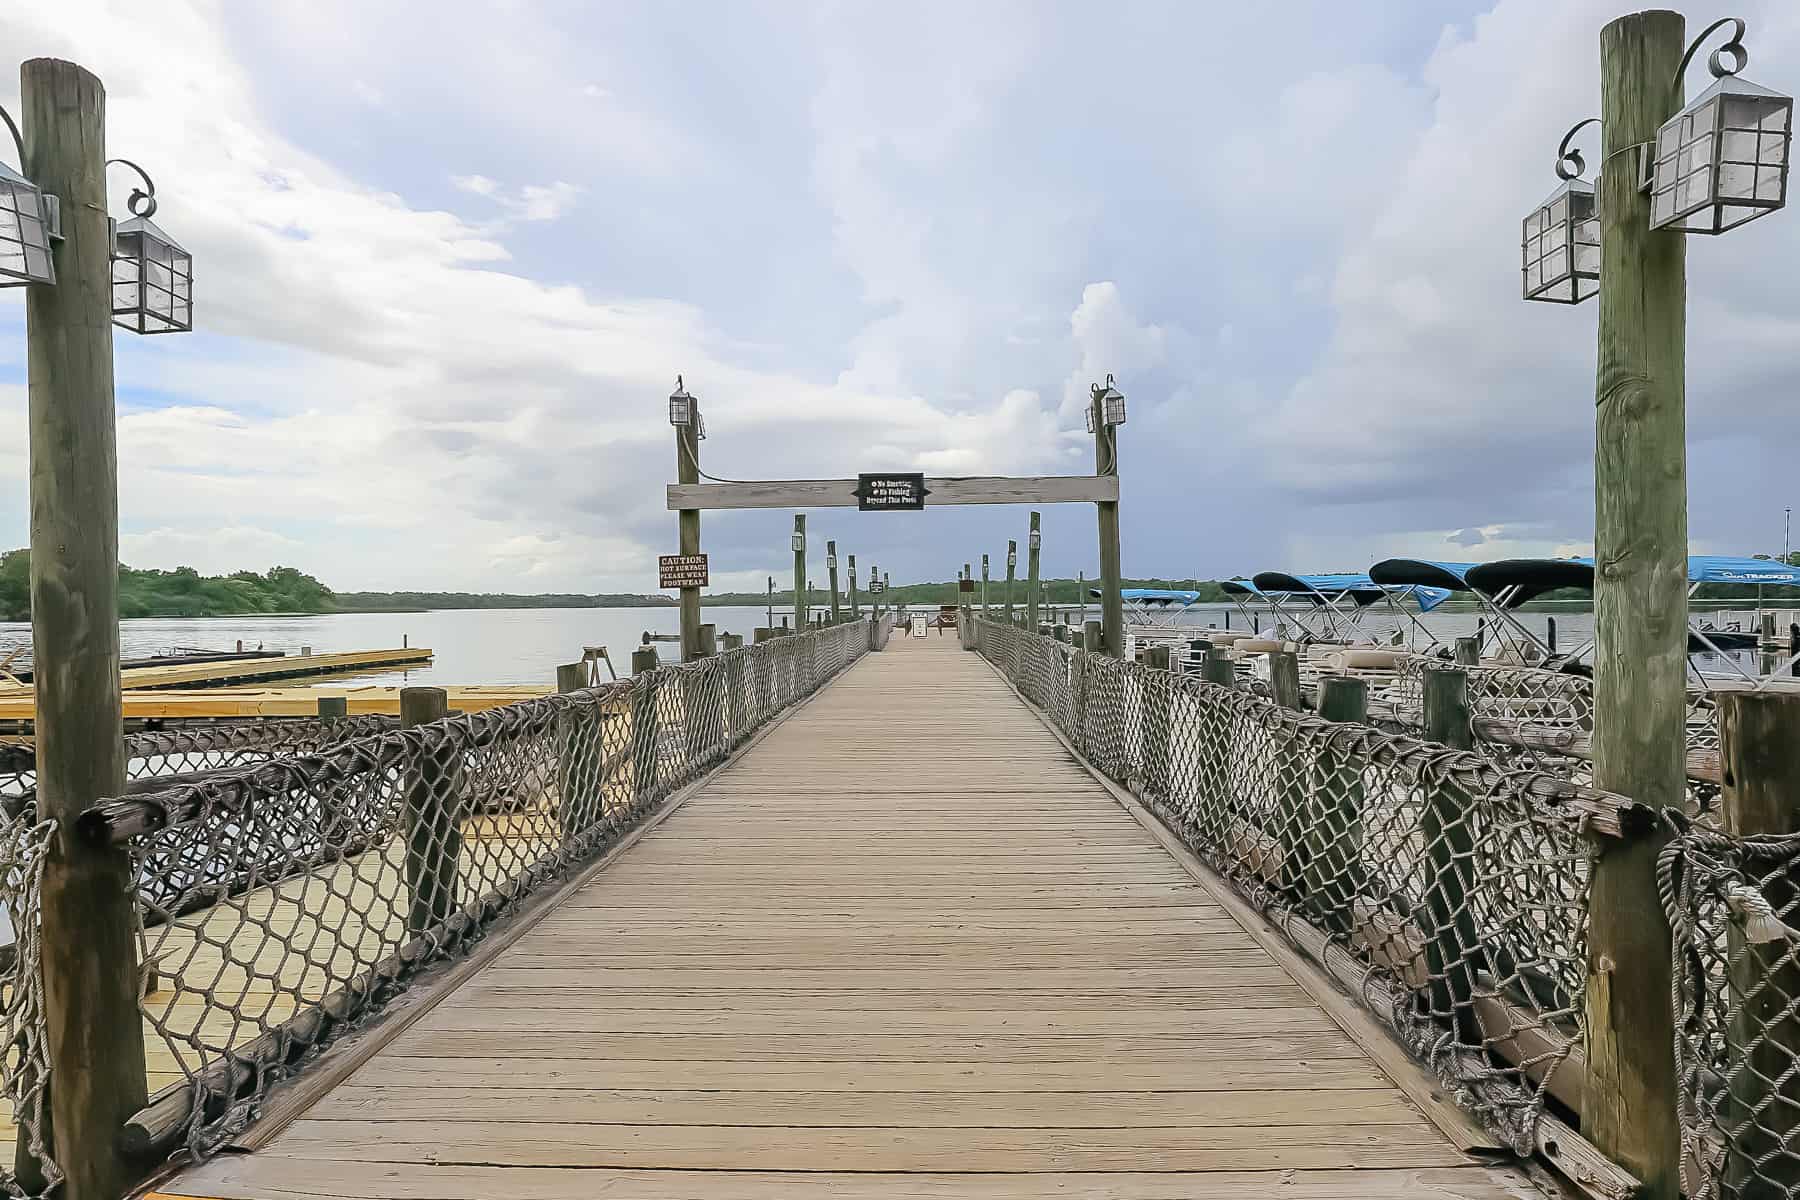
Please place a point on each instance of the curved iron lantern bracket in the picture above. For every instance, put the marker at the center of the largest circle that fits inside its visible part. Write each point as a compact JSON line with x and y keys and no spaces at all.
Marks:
{"x":142,"y":201}
{"x":18,"y":138}
{"x":1569,"y":163}
{"x":1733,"y":46}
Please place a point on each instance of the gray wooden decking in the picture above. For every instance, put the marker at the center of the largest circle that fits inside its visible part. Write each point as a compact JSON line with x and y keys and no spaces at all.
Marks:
{"x":906,"y":947}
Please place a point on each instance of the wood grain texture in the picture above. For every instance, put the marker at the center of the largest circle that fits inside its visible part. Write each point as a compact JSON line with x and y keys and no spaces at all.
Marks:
{"x":1640,"y":608}
{"x":915,"y":985}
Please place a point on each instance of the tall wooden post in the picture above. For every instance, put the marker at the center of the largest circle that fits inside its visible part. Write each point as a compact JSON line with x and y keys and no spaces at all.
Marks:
{"x":876,"y":596}
{"x":984,"y":583}
{"x":1640,"y":608}
{"x":1032,"y":588}
{"x":1106,"y":462}
{"x":831,"y":569}
{"x":800,"y":596}
{"x":575,"y":766}
{"x":1333,"y":862}
{"x":1759,"y":753}
{"x":855,"y":610}
{"x":687,"y":470}
{"x":646,"y":733}
{"x":1012,"y":570}
{"x":96,"y":1041}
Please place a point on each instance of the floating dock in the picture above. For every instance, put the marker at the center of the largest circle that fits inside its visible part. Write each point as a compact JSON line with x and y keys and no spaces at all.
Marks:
{"x":277,"y":702}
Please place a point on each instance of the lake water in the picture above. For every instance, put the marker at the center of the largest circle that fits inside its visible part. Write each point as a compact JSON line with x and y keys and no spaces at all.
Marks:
{"x":510,"y":646}
{"x":505,"y":645}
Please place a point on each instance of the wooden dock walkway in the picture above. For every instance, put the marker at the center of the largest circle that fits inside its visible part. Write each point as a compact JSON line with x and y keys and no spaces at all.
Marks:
{"x":904,"y":947}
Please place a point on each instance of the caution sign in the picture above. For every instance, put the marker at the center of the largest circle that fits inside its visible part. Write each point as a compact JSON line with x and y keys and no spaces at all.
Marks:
{"x":681,"y":571}
{"x":891,"y":492}
{"x":876,"y":587}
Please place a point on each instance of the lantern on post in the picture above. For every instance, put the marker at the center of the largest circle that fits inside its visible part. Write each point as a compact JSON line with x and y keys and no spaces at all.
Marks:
{"x":28,"y":220}
{"x":152,"y":275}
{"x":1561,"y":244}
{"x":799,"y":542}
{"x":681,"y":405}
{"x":1036,"y":540}
{"x":1721,"y":161}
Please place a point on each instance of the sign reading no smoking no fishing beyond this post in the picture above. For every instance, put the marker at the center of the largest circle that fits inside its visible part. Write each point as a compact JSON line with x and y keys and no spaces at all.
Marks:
{"x":681,"y":571}
{"x":893,"y":492}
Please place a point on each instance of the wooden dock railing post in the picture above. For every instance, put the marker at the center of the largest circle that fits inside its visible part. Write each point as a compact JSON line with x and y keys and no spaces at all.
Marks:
{"x":1157,"y":694}
{"x":1468,"y":651}
{"x":333,"y":708}
{"x":1759,"y":752}
{"x":1033,"y":542}
{"x":984,"y":583}
{"x":646,"y":735}
{"x":1334,"y":834}
{"x":1450,"y":848}
{"x":575,"y":762}
{"x":855,"y":610}
{"x":433,"y":817}
{"x":89,"y":946}
{"x":1640,"y":607}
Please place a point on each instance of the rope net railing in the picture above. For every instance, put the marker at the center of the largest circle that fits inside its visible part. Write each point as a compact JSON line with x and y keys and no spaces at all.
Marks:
{"x":152,"y":758}
{"x":284,"y":898}
{"x":1733,"y":904}
{"x":1449,"y":891}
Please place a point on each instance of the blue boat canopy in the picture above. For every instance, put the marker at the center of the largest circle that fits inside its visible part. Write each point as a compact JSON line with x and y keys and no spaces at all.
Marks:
{"x":1364,"y":589}
{"x":1717,"y":568}
{"x":1159,"y":596}
{"x":1534,"y":576}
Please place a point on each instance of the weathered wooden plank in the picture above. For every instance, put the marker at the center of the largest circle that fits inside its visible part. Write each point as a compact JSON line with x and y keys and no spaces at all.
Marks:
{"x":781,"y":1148}
{"x":234,"y":1178}
{"x":944,"y":489}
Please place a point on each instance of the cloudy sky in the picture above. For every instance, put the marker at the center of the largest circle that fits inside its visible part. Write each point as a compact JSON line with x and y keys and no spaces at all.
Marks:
{"x":450,"y":256}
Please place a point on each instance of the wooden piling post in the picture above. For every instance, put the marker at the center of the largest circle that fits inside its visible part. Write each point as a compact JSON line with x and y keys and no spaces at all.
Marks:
{"x":1033,"y":542}
{"x":1219,"y":668}
{"x":1759,"y":752}
{"x":333,"y":708}
{"x":1640,"y":608}
{"x":855,"y":610}
{"x":1468,"y":652}
{"x":433,"y":816}
{"x":687,"y":470}
{"x":1284,"y":678}
{"x":646,"y":732}
{"x":89,"y":948}
{"x":984,"y":583}
{"x":1106,"y":462}
{"x":1453,"y":949}
{"x":831,"y":570}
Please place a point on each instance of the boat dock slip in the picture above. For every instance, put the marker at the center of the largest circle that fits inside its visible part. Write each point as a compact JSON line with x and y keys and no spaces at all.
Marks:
{"x":905,"y":945}
{"x":279,"y":701}
{"x":219,"y":672}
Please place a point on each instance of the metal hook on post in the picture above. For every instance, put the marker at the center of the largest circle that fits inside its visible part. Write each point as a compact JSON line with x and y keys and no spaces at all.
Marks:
{"x":1569,"y":163}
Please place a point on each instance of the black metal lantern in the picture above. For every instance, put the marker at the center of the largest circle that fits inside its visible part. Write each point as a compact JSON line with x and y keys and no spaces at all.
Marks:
{"x":1722,"y":160}
{"x":1112,"y":405}
{"x":681,"y":405}
{"x":27,"y":221}
{"x":1560,"y":248}
{"x":152,"y":275}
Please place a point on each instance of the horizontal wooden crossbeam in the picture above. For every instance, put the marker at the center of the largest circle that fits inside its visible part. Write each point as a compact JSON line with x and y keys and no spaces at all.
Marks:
{"x":841,"y":493}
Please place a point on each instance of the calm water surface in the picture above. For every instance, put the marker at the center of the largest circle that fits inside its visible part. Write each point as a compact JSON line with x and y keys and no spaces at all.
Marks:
{"x":493,"y":645}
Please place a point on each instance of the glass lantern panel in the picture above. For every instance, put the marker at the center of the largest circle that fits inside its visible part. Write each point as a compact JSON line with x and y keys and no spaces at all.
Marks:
{"x":1737,"y":181}
{"x":37,"y":263}
{"x":1739,"y":145}
{"x":1556,"y":263}
{"x":1559,"y":209}
{"x":1773,"y":148}
{"x":1771,"y":184}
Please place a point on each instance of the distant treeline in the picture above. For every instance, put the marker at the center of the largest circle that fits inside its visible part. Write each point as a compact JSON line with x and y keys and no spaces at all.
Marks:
{"x":413,"y":601}
{"x":183,"y":592}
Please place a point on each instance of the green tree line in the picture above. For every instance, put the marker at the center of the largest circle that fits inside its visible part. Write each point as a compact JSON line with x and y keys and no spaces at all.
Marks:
{"x":183,"y":592}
